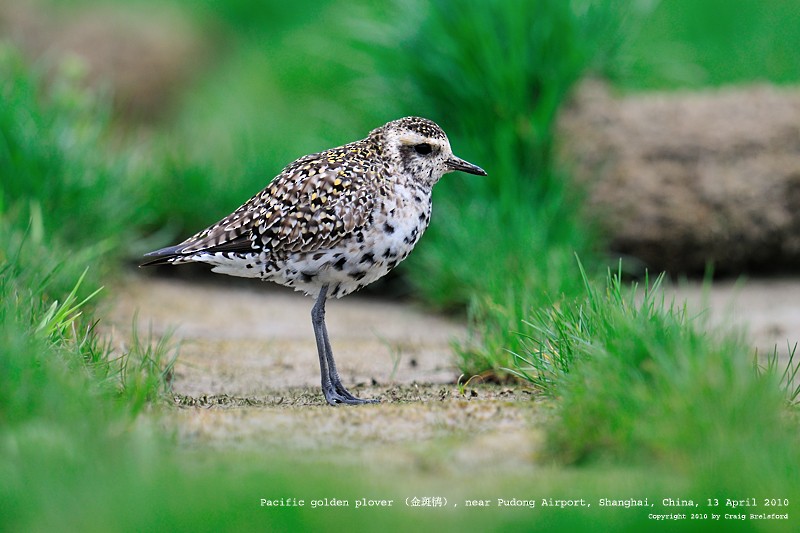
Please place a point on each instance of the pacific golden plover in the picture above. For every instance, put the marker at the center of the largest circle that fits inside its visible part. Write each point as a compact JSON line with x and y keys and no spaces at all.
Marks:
{"x":333,"y":222}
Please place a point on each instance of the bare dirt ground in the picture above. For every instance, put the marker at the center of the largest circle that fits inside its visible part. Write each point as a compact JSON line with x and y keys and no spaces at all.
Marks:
{"x":248,"y":375}
{"x":767,"y":309}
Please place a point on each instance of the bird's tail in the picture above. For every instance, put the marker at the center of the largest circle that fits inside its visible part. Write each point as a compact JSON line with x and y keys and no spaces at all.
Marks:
{"x":165,"y":256}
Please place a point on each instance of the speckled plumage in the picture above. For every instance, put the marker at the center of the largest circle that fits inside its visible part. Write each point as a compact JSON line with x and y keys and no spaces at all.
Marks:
{"x":343,"y":217}
{"x":332,"y":222}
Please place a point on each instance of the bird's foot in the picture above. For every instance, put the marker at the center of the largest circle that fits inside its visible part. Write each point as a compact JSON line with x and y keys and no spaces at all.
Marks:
{"x":337,"y":394}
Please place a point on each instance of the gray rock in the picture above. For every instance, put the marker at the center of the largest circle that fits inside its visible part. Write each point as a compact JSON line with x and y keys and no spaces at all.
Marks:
{"x":145,"y":55}
{"x":680,"y":179}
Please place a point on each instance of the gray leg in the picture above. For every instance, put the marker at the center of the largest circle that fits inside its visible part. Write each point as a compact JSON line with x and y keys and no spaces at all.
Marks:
{"x":335,"y":393}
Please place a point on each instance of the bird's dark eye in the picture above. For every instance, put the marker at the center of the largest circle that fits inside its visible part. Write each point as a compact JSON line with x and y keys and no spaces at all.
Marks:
{"x":423,"y":148}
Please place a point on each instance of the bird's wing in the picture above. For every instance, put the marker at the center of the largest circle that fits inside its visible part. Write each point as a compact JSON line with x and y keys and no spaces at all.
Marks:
{"x":314,"y":203}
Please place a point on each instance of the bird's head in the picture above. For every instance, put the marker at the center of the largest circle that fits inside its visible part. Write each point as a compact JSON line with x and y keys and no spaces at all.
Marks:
{"x":419,"y":148}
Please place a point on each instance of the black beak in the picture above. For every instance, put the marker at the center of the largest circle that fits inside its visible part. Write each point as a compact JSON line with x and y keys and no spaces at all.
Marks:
{"x":456,"y":163}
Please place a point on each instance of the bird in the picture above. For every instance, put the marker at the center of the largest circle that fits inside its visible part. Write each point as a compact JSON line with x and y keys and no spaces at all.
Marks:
{"x":331,"y":223}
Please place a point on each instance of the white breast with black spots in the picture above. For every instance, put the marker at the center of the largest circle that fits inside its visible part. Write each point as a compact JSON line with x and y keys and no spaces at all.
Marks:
{"x":367,"y":255}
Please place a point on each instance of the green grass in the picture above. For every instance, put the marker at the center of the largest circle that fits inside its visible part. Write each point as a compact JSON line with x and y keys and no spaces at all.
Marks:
{"x":649,"y":401}
{"x":640,"y":381}
{"x":689,"y":44}
{"x":53,"y":167}
{"x":65,"y":211}
{"x":77,"y":453}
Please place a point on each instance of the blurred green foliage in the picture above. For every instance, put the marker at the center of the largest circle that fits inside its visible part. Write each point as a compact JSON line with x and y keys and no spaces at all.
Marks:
{"x":641,"y":384}
{"x":44,"y":160}
{"x":690,"y":44}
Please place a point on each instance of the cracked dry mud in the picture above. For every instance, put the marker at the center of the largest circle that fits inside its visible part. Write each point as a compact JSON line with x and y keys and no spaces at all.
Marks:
{"x":248,"y":375}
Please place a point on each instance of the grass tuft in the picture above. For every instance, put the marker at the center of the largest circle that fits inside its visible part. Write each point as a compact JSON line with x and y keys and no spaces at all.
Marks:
{"x":639,"y":380}
{"x":59,"y":319}
{"x":788,"y":378}
{"x":146,"y":368}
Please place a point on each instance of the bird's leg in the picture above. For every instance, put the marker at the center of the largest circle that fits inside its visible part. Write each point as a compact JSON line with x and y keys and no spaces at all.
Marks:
{"x":332,"y":373}
{"x":318,"y":322}
{"x":335,"y":393}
